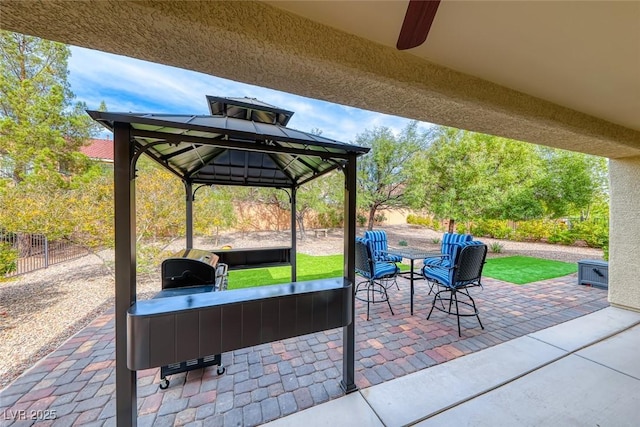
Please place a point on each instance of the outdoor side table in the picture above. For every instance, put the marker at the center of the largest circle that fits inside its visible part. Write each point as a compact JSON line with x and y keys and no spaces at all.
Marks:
{"x":412,"y":254}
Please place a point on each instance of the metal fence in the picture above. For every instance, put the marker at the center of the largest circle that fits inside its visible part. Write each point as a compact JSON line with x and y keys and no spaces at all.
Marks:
{"x":35,"y":251}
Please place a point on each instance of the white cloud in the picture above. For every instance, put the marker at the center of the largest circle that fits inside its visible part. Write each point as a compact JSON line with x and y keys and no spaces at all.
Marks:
{"x":127,"y":84}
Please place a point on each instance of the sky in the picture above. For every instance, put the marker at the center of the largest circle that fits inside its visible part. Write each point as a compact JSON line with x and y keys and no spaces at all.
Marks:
{"x":132,"y":85}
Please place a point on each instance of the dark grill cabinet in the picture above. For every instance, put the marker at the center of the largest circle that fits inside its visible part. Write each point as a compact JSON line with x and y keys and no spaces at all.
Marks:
{"x":190,"y":272}
{"x":593,"y":272}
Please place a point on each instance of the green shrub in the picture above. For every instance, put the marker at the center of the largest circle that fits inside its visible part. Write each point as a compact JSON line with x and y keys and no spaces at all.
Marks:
{"x":496,"y":247}
{"x":362,"y":220}
{"x":436,"y":241}
{"x":461,"y":228}
{"x":331,"y":219}
{"x":563,"y":237}
{"x":379,"y":219}
{"x":535,"y":229}
{"x":595,"y":234}
{"x":403,"y":243}
{"x":8,"y":259}
{"x":420,"y":220}
{"x":149,"y":257}
{"x":498,"y":229}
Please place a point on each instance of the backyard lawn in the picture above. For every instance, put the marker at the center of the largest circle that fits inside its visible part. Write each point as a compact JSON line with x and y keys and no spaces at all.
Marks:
{"x":513,"y":269}
{"x":309,"y":268}
{"x":523,"y":269}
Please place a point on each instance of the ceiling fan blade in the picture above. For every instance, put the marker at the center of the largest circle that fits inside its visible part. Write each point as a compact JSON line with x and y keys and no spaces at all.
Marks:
{"x":417,"y":23}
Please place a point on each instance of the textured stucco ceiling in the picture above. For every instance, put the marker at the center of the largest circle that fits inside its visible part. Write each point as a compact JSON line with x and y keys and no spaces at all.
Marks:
{"x":583,"y":55}
{"x":269,"y":46}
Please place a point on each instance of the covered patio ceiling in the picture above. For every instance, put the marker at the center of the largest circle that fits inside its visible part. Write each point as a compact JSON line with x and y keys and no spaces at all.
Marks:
{"x":562,"y":74}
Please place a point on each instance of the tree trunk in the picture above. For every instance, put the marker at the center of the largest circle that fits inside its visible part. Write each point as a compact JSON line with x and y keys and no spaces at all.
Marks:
{"x":300,"y":221}
{"x":372,"y":215}
{"x":452,"y":223}
{"x":25,"y":245}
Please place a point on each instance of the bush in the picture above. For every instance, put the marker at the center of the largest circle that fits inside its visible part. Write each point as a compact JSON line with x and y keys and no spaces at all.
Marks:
{"x":498,"y":229}
{"x":149,"y":256}
{"x":379,"y":219}
{"x":403,"y":243}
{"x":420,"y":220}
{"x":534,"y":229}
{"x":461,"y":228}
{"x":596,"y":234}
{"x":331,"y":219}
{"x":496,"y":247}
{"x":563,"y":237}
{"x":8,"y":259}
{"x":362,"y":220}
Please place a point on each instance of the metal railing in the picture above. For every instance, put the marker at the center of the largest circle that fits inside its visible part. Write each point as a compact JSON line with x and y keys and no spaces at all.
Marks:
{"x":29,"y":252}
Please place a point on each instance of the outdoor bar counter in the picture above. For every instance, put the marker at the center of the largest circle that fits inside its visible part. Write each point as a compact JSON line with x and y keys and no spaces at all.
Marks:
{"x":193,"y":325}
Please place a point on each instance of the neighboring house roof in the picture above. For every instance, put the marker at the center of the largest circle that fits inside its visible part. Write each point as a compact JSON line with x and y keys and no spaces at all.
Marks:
{"x":99,"y":149}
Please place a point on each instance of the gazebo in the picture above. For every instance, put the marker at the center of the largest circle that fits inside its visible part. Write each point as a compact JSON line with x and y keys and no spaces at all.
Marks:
{"x":243,"y":142}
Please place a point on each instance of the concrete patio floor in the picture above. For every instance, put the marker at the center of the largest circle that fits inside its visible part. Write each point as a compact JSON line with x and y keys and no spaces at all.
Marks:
{"x":76,"y":383}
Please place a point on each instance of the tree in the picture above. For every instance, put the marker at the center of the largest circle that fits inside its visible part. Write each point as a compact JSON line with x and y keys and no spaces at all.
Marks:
{"x":213,"y":211}
{"x":468,"y":175}
{"x":384,"y":178}
{"x":321,"y":196}
{"x":570,"y":182}
{"x":40,"y":131}
{"x":258,"y":207}
{"x":160,"y":202}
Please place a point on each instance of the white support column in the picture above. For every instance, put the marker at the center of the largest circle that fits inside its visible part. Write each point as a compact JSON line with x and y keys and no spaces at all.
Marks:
{"x":624,"y":233}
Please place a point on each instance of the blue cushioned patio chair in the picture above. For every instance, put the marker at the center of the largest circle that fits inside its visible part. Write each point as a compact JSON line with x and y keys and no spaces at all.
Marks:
{"x":378,"y":240}
{"x":378,"y":276}
{"x":457,"y":279}
{"x":449,"y":241}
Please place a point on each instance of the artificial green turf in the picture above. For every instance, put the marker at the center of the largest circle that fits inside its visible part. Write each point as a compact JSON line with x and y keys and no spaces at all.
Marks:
{"x":309,"y":268}
{"x":524,"y":269}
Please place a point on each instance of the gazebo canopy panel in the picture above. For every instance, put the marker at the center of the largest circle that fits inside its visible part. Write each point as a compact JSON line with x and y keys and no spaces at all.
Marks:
{"x":226,"y":150}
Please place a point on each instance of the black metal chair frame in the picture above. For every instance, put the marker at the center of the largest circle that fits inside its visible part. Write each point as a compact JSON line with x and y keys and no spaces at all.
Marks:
{"x":467,"y":274}
{"x":372,"y":286}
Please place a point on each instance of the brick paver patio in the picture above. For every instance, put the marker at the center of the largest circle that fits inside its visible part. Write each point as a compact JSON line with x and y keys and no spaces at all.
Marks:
{"x":76,"y":383}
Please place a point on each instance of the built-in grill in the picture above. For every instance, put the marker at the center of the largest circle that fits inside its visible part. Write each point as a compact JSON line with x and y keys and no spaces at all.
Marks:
{"x":191,"y":271}
{"x":190,"y":267}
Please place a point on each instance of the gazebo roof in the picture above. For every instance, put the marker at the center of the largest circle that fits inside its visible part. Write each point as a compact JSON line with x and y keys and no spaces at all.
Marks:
{"x":224,"y":150}
{"x":248,"y":109}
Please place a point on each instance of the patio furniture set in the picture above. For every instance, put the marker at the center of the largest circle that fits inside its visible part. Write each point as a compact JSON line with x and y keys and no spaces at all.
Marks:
{"x":448,"y":273}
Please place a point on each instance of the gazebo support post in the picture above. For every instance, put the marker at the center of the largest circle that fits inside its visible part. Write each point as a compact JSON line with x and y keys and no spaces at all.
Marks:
{"x":188,"y":186}
{"x":348,"y":383}
{"x":294,"y":236}
{"x":125,"y":269}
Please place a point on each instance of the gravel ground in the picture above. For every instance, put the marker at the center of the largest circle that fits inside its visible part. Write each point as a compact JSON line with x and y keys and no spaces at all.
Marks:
{"x":39,"y":311}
